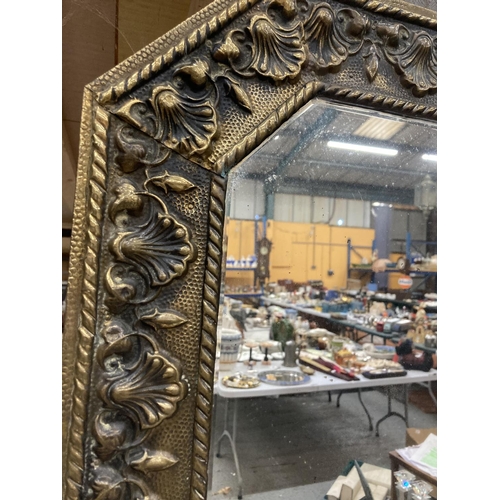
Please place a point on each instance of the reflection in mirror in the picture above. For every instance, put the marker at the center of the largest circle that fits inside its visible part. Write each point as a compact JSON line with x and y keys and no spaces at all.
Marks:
{"x":328,"y":321}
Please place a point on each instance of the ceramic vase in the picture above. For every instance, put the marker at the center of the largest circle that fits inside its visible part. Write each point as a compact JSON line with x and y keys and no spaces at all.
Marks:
{"x":230,"y":343}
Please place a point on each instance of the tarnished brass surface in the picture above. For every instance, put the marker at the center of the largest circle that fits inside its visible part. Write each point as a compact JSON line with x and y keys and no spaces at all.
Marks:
{"x":159,"y":132}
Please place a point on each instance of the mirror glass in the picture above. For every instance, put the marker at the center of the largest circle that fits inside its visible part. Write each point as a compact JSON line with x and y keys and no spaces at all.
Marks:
{"x":331,"y":262}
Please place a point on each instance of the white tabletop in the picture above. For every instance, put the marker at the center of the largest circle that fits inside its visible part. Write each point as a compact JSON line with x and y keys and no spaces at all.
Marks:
{"x":318,"y":382}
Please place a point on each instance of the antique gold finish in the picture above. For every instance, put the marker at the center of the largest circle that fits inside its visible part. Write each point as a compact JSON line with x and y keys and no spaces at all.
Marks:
{"x":159,"y":133}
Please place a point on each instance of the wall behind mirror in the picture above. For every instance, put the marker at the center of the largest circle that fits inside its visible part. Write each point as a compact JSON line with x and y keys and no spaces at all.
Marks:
{"x":334,"y":191}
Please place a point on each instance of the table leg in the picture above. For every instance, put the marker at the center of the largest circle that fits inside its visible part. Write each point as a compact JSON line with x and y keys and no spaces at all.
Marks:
{"x":232,"y":442}
{"x":391,"y":413}
{"x":429,"y":386}
{"x":362,"y":404}
{"x":366,"y":410}
{"x":226,"y":408}
{"x":405,"y":389}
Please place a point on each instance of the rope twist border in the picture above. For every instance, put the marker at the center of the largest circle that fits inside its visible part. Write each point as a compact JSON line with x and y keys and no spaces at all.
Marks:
{"x":187,"y":45}
{"x":208,"y":343}
{"x":383,"y":102}
{"x":87,"y":326}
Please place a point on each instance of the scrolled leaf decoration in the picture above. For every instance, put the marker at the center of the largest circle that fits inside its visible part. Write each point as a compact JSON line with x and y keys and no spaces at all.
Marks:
{"x":332,"y":37}
{"x":136,"y":152}
{"x":163,"y":320}
{"x":287,"y":7}
{"x":141,"y":386}
{"x":126,"y":199}
{"x":197,"y":74}
{"x":235,"y":90}
{"x":111,"y":433}
{"x":277,"y":51}
{"x":173,"y":182}
{"x":108,"y":484}
{"x":145,"y":387}
{"x":372,"y":59}
{"x":127,"y":286}
{"x":151,"y":461}
{"x":228,"y":50}
{"x":413,"y":55}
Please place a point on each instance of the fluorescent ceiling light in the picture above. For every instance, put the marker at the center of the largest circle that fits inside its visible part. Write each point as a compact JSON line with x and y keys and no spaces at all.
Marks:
{"x":364,"y":149}
{"x":430,"y":157}
{"x":379,"y":128}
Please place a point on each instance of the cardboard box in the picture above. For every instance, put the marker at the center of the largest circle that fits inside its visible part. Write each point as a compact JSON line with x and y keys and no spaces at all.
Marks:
{"x":416,"y":436}
{"x":353,"y":284}
{"x":349,"y":487}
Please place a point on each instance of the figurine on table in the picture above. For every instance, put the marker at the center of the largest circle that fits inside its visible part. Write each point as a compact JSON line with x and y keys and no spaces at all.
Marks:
{"x":239,"y":315}
{"x":420,"y":315}
{"x":282,"y":329}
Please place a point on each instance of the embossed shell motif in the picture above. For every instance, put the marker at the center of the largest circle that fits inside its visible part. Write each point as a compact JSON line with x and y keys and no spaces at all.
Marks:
{"x":185,"y":123}
{"x":333,"y":37}
{"x":160,"y":252}
{"x":150,"y":393}
{"x":277,"y":51}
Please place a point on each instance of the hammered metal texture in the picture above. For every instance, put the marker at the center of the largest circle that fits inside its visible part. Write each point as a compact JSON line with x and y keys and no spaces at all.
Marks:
{"x":184,"y":295}
{"x":140,"y":333}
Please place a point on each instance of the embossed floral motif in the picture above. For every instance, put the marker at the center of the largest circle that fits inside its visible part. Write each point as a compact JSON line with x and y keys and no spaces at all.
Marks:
{"x":413,"y":55}
{"x":332,"y":37}
{"x":161,"y":320}
{"x":159,"y":251}
{"x":111,"y":433}
{"x":277,"y":51}
{"x":151,"y":461}
{"x":182,"y":116}
{"x":141,"y":386}
{"x":156,"y":251}
{"x":150,"y":393}
{"x":171,"y":183}
{"x":136,"y":151}
{"x":108,"y":484}
{"x":185,"y":123}
{"x":372,"y":58}
{"x":126,"y":199}
{"x":287,"y":7}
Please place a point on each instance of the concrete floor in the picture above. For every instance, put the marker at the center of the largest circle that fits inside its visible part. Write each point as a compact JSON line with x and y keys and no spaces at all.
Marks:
{"x":295,"y":446}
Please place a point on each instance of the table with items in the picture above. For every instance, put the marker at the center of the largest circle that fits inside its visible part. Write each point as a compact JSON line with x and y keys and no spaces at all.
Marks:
{"x":312,"y":374}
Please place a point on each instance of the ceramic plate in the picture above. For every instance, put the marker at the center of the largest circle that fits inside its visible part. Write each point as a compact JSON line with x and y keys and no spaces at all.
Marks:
{"x":240,"y":381}
{"x":382,"y":352}
{"x":283,"y":377}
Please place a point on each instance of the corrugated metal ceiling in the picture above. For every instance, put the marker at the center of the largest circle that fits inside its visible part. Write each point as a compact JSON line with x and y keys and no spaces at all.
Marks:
{"x":299,"y":150}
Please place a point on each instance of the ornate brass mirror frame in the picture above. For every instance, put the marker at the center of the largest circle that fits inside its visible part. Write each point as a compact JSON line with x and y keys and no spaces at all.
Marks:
{"x":159,"y":133}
